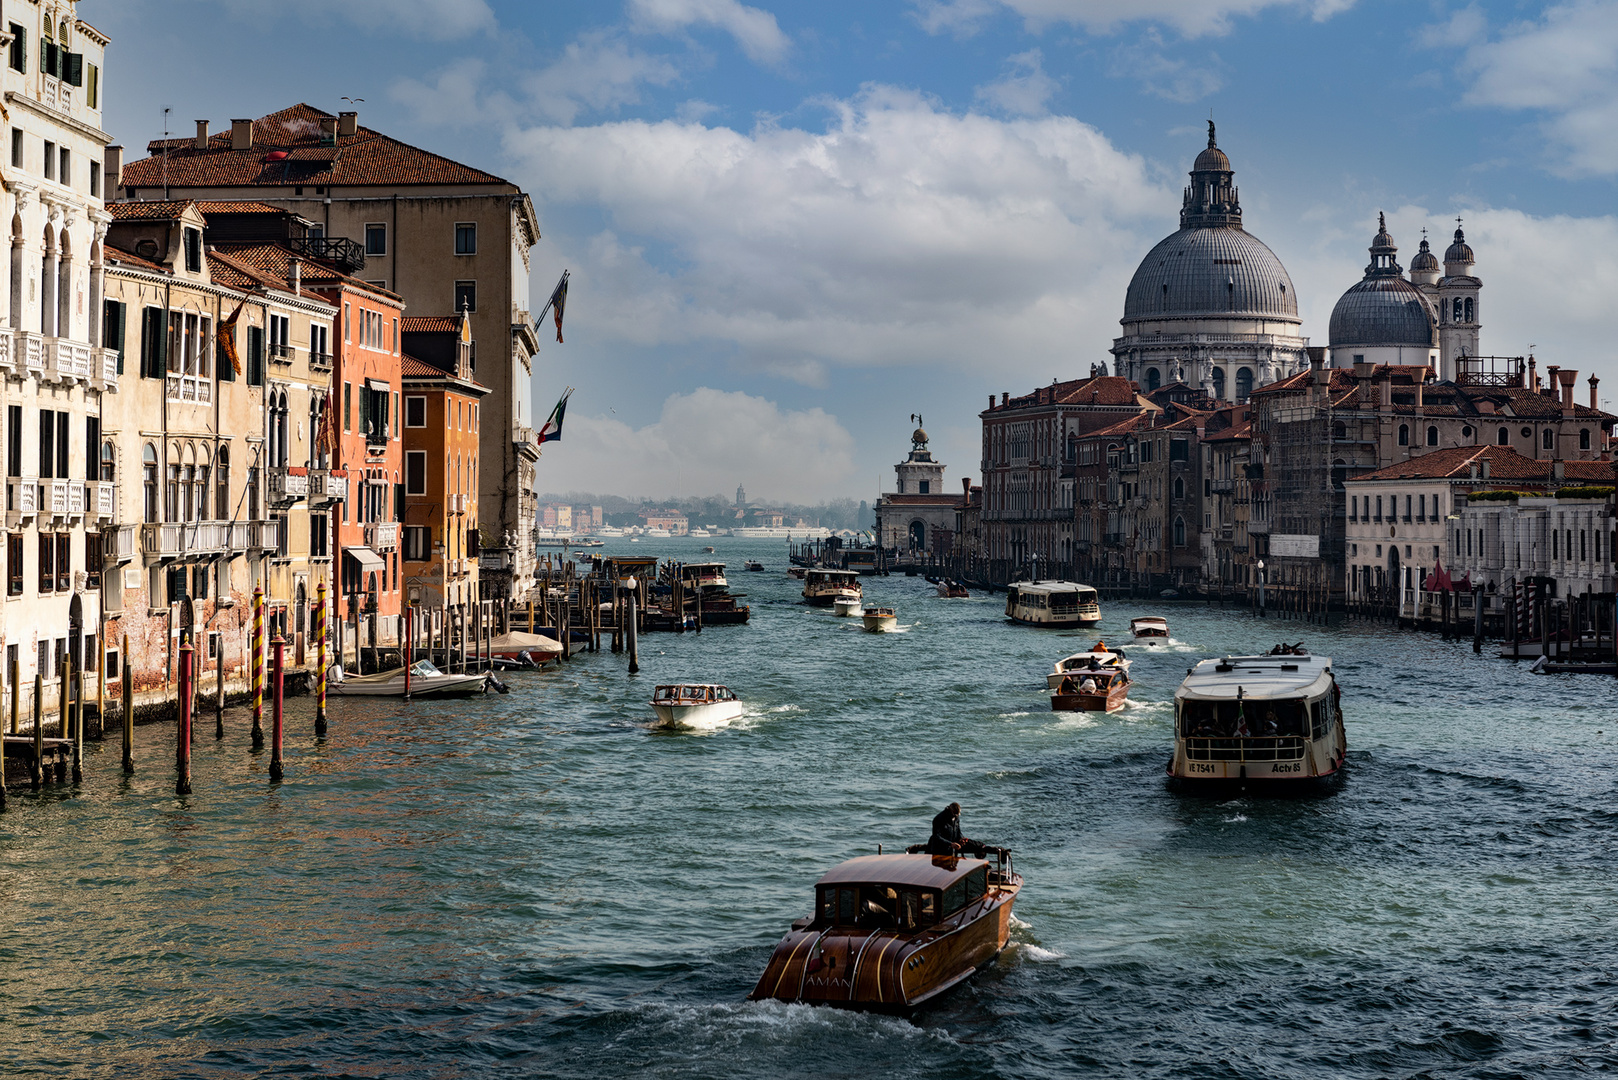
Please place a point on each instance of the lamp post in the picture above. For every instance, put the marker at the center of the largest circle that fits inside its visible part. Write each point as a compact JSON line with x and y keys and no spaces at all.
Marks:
{"x":1261,"y":588}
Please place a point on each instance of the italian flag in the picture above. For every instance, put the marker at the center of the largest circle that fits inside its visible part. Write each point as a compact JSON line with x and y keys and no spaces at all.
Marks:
{"x":552,"y":431}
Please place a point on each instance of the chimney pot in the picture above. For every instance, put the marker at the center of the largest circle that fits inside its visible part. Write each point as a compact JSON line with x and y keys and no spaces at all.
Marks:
{"x":1593,"y":382}
{"x":297,"y":278}
{"x":1485,"y":468}
{"x":1005,"y":397}
{"x":1569,"y":376}
{"x":328,"y":131}
{"x":348,"y":123}
{"x":202,"y":135}
{"x":991,"y":401}
{"x":241,"y":134}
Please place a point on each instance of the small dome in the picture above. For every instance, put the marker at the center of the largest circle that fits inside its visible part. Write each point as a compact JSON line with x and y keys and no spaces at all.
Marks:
{"x":919,"y":436}
{"x":1460,"y":251}
{"x":1383,"y":311}
{"x":1212,"y":159}
{"x":1425,"y":261}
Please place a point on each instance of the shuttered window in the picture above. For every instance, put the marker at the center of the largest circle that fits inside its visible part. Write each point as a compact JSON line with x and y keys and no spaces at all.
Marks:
{"x":154,"y":343}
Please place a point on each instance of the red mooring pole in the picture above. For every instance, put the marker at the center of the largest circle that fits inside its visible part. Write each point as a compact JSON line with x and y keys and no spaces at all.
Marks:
{"x":182,"y":737}
{"x":277,"y":686}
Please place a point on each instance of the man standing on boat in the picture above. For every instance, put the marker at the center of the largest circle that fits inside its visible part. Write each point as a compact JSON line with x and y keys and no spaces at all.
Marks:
{"x":947,"y":838}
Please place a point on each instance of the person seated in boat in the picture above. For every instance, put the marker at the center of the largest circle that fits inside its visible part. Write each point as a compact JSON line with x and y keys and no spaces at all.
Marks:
{"x":1068,"y":686}
{"x":947,"y":838}
{"x":1269,"y":725}
{"x":1088,"y":686}
{"x":1094,"y":665}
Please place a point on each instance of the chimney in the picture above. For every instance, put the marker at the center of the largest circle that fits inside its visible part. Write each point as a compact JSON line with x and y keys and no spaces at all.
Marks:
{"x":1005,"y":398}
{"x":328,"y":131}
{"x":297,"y":278}
{"x":112,"y":164}
{"x":1533,"y":375}
{"x":202,"y":135}
{"x":1569,"y":376}
{"x":1421,"y":385}
{"x":1551,"y":388}
{"x":348,"y":123}
{"x":1485,"y":468}
{"x":991,"y":401}
{"x":1593,"y":382}
{"x":1386,"y":401}
{"x":1558,"y":470}
{"x":241,"y":134}
{"x":966,"y":486}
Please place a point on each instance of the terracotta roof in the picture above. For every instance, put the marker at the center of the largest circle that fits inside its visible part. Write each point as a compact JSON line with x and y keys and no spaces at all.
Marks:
{"x":1123,"y":427}
{"x":119,"y":257}
{"x":160,"y":210}
{"x":276,"y":259}
{"x":234,"y":206}
{"x":430,"y":324}
{"x":237,"y":274}
{"x":411,"y":368}
{"x":292,"y":138}
{"x":1105,"y":390}
{"x":1455,"y":462}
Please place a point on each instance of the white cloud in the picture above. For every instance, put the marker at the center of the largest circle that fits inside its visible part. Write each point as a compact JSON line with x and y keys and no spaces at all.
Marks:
{"x":1192,"y":18}
{"x":1162,"y":76}
{"x":706,"y":441}
{"x":596,"y":72}
{"x":1566,"y":66}
{"x":755,"y":30}
{"x":901,"y":235}
{"x":1024,"y":90}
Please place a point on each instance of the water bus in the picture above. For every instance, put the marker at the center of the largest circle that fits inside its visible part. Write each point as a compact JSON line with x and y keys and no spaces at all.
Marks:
{"x":1273,"y":717}
{"x":880,"y":620}
{"x":890,"y":933}
{"x":703,"y":575}
{"x":823,"y":588}
{"x":695,"y":704}
{"x":1096,"y":680}
{"x":720,"y":606}
{"x":1052,"y":604}
{"x":1149,"y":628}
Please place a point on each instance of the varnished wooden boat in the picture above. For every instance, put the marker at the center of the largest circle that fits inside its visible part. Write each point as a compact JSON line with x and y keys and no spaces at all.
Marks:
{"x":893,"y":932}
{"x":1108,"y":692}
{"x":880,"y":620}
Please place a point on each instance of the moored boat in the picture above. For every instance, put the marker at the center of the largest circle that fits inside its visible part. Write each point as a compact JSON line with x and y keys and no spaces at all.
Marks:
{"x":880,"y":620}
{"x":893,"y":932}
{"x":797,"y":572}
{"x":823,"y":588}
{"x":1096,"y":680}
{"x":425,"y":681}
{"x":1052,"y":604}
{"x":1149,"y":628}
{"x":517,"y":647}
{"x":695,"y":704}
{"x":1266,"y":718}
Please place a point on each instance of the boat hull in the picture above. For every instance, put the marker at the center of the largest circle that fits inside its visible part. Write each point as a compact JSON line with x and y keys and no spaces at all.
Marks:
{"x":440,"y":686}
{"x":888,"y":970}
{"x":826,"y":599}
{"x":848,"y":606}
{"x":881,"y":624}
{"x":1111,"y":701}
{"x":708,"y":714}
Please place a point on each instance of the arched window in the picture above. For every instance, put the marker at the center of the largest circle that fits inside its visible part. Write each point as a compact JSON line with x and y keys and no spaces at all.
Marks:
{"x":1584,"y":438}
{"x":1179,"y":532}
{"x":1339,"y":474}
{"x":1244,"y":383}
{"x":1468,"y":309}
{"x":221,"y":479}
{"x":1432,"y":435}
{"x":202,"y":491}
{"x":1179,"y":488}
{"x":148,"y":468}
{"x":1404,"y":434}
{"x":1339,"y":430}
{"x":1219,"y":384}
{"x":1154,"y":379}
{"x":1547,"y":439}
{"x":1456,"y":316}
{"x":109,"y":457}
{"x":1503,"y":437}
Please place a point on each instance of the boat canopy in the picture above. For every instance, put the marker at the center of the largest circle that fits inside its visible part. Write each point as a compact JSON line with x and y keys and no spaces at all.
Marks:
{"x":915,"y":871}
{"x":832,"y":575}
{"x":1085,"y":593}
{"x":1257,"y":677}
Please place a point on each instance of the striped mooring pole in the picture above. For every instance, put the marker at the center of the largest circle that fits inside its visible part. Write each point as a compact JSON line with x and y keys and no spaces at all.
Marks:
{"x":320,"y":659}
{"x":257,"y":662}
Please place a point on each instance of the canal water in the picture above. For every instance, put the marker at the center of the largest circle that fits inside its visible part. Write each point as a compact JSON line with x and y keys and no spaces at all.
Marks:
{"x":542,"y":885}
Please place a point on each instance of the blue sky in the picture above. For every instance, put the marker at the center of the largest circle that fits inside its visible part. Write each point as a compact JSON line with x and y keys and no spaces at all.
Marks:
{"x":791,"y":226}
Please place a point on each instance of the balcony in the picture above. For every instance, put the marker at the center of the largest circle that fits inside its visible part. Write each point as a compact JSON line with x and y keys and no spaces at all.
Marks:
{"x":288,"y":485}
{"x":195,"y":389}
{"x":282,"y":354}
{"x":457,"y":504}
{"x":376,"y":437}
{"x":104,"y":368}
{"x":61,"y":499}
{"x":168,"y":540}
{"x":348,"y":254}
{"x":118,"y":545}
{"x":326,"y":487}
{"x":262,"y":536}
{"x":67,"y":361}
{"x":495,"y":559}
{"x":31,"y":352}
{"x":101,"y":499}
{"x":320,"y":361}
{"x":8,"y":355}
{"x":22,"y":499}
{"x":1222,"y":487}
{"x":382,"y":535}
{"x":523,"y":439}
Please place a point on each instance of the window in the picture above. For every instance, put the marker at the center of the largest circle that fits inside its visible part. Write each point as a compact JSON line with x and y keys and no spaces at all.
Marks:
{"x":1179,"y":532}
{"x":18,"y":58}
{"x":252,"y":493}
{"x":319,"y":344}
{"x":16,"y":148}
{"x":466,"y":238}
{"x":1432,"y":435}
{"x":50,"y":57}
{"x":319,"y":535}
{"x":193,"y":239}
{"x":50,"y":161}
{"x":255,"y":356}
{"x":1503,"y":437}
{"x":47,"y":562}
{"x":466,"y":296}
{"x":280,"y":327}
{"x":376,"y":239}
{"x":95,"y":179}
{"x":109,"y":458}
{"x":348,"y":322}
{"x":148,"y":470}
{"x":92,"y":92}
{"x":14,"y":565}
{"x":1407,"y":509}
{"x":415,"y":472}
{"x":92,"y":560}
{"x":1404,"y":434}
{"x":348,"y":407}
{"x":1378,"y":508}
{"x":1547,"y":439}
{"x":396,"y":414}
{"x":66,"y":176}
{"x":222,"y":485}
{"x":418,"y":543}
{"x":1584,"y":438}
{"x":415,"y":412}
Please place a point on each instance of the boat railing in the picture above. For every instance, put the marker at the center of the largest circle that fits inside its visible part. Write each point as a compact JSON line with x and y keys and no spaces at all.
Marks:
{"x":1253,"y":748}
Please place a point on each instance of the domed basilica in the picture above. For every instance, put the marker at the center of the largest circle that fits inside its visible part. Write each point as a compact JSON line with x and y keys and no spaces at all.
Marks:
{"x":1210,"y":305}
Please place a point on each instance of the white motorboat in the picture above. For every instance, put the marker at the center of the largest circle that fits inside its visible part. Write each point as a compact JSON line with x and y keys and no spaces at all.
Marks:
{"x":1149,"y":629}
{"x":695,"y":705}
{"x":425,"y":681}
{"x":520,"y":648}
{"x":881,"y":620}
{"x":849,"y":606}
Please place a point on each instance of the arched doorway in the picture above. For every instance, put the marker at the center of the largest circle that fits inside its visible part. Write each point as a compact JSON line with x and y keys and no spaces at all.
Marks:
{"x":75,"y":633}
{"x":1244,"y":383}
{"x":918,"y":536}
{"x":1154,"y":379}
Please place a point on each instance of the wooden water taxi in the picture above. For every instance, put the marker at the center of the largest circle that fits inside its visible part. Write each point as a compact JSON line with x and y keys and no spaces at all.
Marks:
{"x":695,"y":705}
{"x":880,"y":620}
{"x":890,"y":933}
{"x":425,"y":681}
{"x":1057,"y":604}
{"x":1272,"y":718}
{"x":1149,"y":628}
{"x":823,"y":588}
{"x":950,"y":590}
{"x":1096,"y":680}
{"x":797,"y":572}
{"x":753,"y":565}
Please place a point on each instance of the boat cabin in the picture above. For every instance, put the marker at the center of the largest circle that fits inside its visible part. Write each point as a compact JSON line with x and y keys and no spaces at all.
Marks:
{"x":1053,"y":603}
{"x":691,"y":694}
{"x":1149,"y":627}
{"x":898,"y":892}
{"x":709,"y":575}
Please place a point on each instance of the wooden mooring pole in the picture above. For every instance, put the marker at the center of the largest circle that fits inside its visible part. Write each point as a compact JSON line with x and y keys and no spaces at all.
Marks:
{"x":256,"y":662}
{"x":129,"y":709}
{"x":182,"y":734}
{"x":277,"y":687}
{"x":36,"y":778}
{"x":320,"y":660}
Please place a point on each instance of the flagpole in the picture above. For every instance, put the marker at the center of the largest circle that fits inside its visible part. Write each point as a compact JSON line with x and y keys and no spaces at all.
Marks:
{"x":546,"y":310}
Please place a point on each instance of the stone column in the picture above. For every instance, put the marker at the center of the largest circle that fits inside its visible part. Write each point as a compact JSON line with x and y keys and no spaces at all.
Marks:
{"x":98,"y":273}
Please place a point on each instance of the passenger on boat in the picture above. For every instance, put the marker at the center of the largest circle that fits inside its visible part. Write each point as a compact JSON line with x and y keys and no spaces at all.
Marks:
{"x":947,"y":838}
{"x":1067,"y":686}
{"x":1088,"y":686}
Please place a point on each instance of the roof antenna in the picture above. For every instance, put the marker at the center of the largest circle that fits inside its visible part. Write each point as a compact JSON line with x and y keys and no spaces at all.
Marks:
{"x":166,"y":110}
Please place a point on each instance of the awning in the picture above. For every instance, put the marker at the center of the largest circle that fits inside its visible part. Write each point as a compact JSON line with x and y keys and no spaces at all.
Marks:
{"x":369,"y":560}
{"x":378,"y":385}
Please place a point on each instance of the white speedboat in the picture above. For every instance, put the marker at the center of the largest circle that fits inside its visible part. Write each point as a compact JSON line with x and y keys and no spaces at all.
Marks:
{"x":880,"y":620}
{"x":425,"y":681}
{"x":849,"y":606}
{"x":519,"y":648}
{"x":695,"y":705}
{"x":1149,"y":629}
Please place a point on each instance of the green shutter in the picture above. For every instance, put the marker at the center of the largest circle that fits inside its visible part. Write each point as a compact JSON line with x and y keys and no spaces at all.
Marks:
{"x":22,"y":49}
{"x":255,"y":356}
{"x":73,"y":68}
{"x":154,"y":344}
{"x":221,"y":363}
{"x":50,"y":57}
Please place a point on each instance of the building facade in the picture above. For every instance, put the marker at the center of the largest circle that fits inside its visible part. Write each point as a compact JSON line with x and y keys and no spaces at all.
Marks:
{"x":917,"y":519}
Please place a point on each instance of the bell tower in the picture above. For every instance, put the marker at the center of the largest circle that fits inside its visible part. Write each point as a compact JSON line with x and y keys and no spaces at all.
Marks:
{"x":1459,"y":317}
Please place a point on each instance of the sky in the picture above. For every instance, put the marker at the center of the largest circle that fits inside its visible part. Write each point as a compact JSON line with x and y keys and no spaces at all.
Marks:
{"x":789,"y":227}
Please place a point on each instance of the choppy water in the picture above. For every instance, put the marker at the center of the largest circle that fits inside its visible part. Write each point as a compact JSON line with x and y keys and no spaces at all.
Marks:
{"x":541,"y":885}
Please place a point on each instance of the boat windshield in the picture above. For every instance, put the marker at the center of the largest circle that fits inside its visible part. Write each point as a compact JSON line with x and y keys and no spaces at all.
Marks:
{"x":877,"y":907}
{"x":423,"y":668}
{"x":1228,"y":719}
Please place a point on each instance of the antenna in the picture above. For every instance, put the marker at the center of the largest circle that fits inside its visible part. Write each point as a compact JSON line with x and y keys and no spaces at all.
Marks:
{"x":166,"y":110}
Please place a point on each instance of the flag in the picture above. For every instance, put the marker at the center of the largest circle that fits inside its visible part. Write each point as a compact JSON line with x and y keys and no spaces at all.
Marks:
{"x":556,"y":303}
{"x":552,"y":431}
{"x":326,"y":439}
{"x":227,"y":338}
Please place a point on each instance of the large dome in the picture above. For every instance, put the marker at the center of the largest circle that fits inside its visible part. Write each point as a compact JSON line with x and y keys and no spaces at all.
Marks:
{"x":1217,"y":270}
{"x":1383,"y":308}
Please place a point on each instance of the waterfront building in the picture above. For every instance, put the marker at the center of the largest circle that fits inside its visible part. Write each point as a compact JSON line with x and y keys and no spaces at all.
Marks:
{"x":441,"y":235}
{"x":218,"y":483}
{"x":1224,"y":456}
{"x":918,"y":518}
{"x":1210,"y":305}
{"x":58,"y":377}
{"x":442,"y":411}
{"x":675,"y":521}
